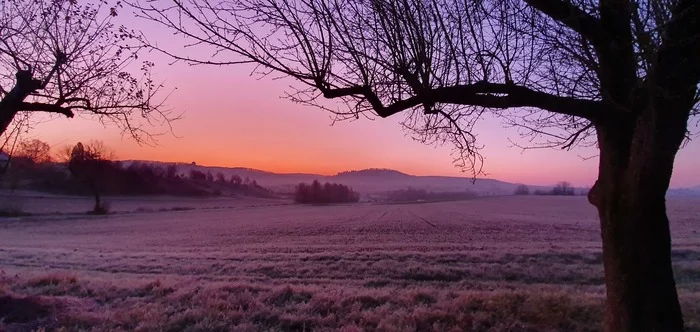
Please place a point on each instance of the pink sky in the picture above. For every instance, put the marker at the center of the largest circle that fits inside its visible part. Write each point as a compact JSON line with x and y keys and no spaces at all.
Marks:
{"x":234,"y":119}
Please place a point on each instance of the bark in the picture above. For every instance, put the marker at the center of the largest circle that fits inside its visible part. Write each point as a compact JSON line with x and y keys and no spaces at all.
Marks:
{"x":636,"y":164}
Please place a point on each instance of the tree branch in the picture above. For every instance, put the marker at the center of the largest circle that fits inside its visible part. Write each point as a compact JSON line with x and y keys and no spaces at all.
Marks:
{"x":484,"y":94}
{"x":49,"y":108}
{"x":571,"y":16}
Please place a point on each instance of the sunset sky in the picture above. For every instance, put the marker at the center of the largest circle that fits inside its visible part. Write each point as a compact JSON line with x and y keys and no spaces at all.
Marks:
{"x":234,"y":119}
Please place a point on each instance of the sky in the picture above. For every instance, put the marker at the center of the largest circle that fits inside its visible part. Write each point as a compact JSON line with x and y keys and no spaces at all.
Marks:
{"x":231,"y":118}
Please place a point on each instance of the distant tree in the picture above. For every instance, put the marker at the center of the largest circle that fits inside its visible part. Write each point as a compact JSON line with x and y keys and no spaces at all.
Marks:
{"x":210,"y":177}
{"x":171,"y":171}
{"x":563,"y":189}
{"x":236,"y":180}
{"x":522,"y":190}
{"x":92,"y":164}
{"x":67,"y":57}
{"x":220,"y":177}
{"x":317,"y":193}
{"x":34,"y":150}
{"x":196,"y":175}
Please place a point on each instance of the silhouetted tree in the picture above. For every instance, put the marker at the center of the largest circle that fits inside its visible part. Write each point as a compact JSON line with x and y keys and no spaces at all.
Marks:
{"x":65,"y":56}
{"x":522,"y":190}
{"x":236,"y":180}
{"x":563,"y":189}
{"x":34,"y":150}
{"x":171,"y":171}
{"x":92,"y":164}
{"x":622,"y":75}
{"x":317,"y":193}
{"x":197,"y":175}
{"x":220,"y":177}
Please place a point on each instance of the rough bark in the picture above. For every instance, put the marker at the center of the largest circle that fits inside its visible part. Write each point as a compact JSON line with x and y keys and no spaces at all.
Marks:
{"x":636,"y":164}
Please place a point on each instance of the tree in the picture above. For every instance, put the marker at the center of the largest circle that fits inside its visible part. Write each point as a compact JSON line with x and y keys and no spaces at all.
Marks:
{"x":563,"y":189}
{"x":236,"y":180}
{"x":220,"y":177}
{"x":92,"y":164}
{"x":62,"y":57}
{"x":522,"y":190}
{"x":622,"y":75}
{"x":34,"y":150}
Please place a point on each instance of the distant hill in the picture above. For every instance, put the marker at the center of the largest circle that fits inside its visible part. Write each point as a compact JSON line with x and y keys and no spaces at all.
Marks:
{"x":372,"y":173}
{"x":379,"y":180}
{"x":366,"y":181}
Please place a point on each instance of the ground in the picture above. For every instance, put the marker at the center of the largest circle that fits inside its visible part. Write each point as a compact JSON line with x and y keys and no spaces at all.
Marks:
{"x":486,"y":264}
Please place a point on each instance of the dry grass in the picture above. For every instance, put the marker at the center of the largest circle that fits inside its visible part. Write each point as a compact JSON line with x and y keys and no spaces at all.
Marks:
{"x":507,"y":264}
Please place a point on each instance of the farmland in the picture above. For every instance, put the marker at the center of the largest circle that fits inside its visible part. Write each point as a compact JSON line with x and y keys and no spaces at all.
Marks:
{"x":486,"y":264}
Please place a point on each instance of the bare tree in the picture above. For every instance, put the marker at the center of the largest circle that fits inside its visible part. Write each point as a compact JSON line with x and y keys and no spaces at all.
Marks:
{"x":92,"y":164}
{"x":34,"y":150}
{"x":619,"y":74}
{"x":61,"y":57}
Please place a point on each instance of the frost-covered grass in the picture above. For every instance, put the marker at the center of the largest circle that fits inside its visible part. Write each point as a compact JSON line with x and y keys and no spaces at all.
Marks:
{"x":496,"y":264}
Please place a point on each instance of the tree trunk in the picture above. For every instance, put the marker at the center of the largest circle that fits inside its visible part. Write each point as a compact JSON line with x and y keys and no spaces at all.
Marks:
{"x":636,"y":163}
{"x":98,"y":205}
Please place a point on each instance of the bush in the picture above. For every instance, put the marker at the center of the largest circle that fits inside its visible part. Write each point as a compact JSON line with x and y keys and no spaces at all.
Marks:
{"x":326,"y":193}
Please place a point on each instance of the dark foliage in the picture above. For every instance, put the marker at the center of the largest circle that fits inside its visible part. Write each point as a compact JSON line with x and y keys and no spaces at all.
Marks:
{"x":316,"y":193}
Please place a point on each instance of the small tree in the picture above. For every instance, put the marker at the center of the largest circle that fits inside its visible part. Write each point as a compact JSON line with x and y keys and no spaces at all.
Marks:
{"x":92,"y":163}
{"x":522,"y":190}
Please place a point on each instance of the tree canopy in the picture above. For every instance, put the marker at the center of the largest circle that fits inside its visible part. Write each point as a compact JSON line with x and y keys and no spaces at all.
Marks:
{"x":69,"y":58}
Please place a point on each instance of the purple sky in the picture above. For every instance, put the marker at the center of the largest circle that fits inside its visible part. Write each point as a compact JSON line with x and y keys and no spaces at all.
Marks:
{"x":234,"y":119}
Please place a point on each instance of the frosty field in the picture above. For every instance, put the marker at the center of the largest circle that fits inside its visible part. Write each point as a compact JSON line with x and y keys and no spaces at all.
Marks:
{"x":486,"y":264}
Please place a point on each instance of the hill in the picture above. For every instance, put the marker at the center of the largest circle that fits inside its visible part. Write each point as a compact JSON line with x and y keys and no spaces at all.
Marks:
{"x":366,"y":181}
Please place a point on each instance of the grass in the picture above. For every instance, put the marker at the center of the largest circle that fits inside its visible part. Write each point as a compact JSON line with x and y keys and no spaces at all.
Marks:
{"x":88,"y":304}
{"x":507,"y":264}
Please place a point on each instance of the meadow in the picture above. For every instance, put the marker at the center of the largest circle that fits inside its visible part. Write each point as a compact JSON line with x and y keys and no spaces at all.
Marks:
{"x":527,"y":263}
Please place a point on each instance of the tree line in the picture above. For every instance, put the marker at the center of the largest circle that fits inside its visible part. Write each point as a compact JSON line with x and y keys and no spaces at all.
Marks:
{"x":560,"y":189}
{"x":317,"y":193}
{"x":91,"y":169}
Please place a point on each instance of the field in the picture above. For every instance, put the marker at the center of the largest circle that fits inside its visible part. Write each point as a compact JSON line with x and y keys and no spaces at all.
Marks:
{"x":486,"y":264}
